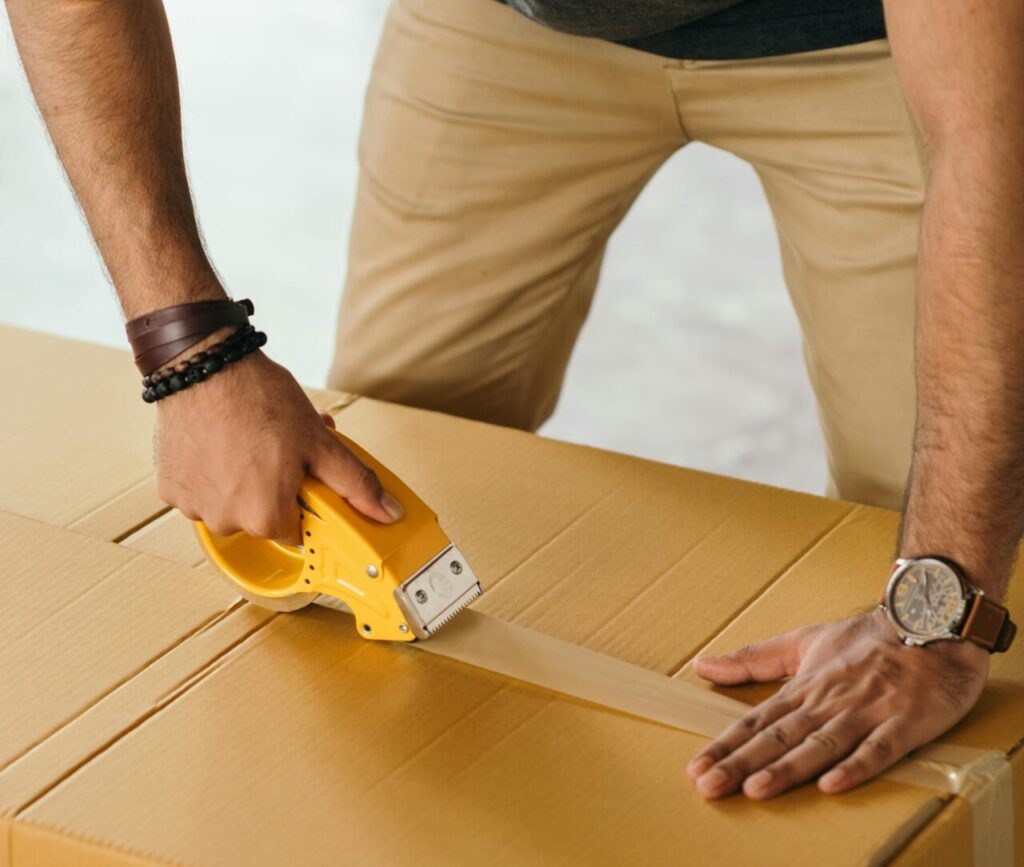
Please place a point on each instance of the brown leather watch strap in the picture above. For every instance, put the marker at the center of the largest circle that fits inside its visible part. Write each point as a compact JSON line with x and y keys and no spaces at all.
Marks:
{"x":988,"y":623}
{"x":159,"y":336}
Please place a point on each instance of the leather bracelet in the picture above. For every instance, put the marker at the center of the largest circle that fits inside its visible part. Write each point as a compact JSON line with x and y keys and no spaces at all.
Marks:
{"x":160,"y":335}
{"x":164,"y":383}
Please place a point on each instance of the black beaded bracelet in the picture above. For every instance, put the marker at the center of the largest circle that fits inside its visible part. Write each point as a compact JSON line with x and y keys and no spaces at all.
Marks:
{"x":184,"y":374}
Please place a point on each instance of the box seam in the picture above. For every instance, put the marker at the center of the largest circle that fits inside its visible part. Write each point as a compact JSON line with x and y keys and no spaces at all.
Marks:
{"x":181,"y":640}
{"x":168,"y":698}
{"x":757,"y":595}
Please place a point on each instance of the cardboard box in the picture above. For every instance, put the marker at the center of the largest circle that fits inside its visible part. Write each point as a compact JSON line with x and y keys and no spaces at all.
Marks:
{"x":153,"y":717}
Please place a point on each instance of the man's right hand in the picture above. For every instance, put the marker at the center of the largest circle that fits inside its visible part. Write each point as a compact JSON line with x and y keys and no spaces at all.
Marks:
{"x":233,"y":450}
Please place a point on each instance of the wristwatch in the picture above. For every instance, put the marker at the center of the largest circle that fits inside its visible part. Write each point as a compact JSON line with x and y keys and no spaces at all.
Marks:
{"x":929,"y":598}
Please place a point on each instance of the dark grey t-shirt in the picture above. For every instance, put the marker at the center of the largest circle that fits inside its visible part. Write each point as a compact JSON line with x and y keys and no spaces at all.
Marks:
{"x":714,"y":29}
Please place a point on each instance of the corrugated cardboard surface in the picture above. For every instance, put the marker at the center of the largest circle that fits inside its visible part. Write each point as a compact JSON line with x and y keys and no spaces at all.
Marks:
{"x":75,"y":439}
{"x":835,"y":575}
{"x":164,"y":720}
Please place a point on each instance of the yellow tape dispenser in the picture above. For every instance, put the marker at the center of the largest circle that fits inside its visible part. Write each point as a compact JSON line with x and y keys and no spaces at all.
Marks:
{"x":402,"y":581}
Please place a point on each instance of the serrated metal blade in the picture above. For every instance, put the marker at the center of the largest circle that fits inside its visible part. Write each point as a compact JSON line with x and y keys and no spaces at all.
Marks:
{"x":437,"y":592}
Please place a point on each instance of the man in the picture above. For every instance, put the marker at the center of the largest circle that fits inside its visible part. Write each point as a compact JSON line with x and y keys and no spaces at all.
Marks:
{"x":498,"y":155}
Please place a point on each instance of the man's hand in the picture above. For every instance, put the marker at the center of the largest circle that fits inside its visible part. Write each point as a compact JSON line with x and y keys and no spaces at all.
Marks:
{"x":233,"y":450}
{"x":858,"y":701}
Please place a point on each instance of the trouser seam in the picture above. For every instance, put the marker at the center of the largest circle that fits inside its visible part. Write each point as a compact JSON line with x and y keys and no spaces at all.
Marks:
{"x":666,"y":70}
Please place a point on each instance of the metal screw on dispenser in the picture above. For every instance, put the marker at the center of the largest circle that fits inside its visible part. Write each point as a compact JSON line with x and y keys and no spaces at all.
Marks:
{"x":421,"y":596}
{"x":371,"y":570}
{"x":456,"y":567}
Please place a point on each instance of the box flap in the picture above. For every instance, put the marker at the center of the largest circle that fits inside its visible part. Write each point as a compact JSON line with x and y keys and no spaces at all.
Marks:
{"x":82,"y":624}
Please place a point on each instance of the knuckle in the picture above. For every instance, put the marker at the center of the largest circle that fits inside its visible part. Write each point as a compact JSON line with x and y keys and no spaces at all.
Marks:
{"x":751,"y":722}
{"x":855,"y":768}
{"x":263,"y":527}
{"x":825,"y":740}
{"x":881,"y":747}
{"x":367,"y":480}
{"x":220,"y":527}
{"x":165,"y":491}
{"x":890,"y":705}
{"x":714,"y":752}
{"x":779,"y":734}
{"x":736,"y":767}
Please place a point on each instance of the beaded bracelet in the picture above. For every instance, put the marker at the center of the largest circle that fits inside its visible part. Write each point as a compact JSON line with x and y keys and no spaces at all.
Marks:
{"x":184,"y":374}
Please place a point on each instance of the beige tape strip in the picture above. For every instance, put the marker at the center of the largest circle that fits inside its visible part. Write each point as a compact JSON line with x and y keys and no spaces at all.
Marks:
{"x":523,"y":654}
{"x":982,"y":777}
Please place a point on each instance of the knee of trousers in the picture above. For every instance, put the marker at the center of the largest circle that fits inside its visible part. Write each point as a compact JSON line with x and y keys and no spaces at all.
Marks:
{"x":867,"y":415}
{"x":869,"y":459}
{"x":511,"y":401}
{"x":869,"y":489}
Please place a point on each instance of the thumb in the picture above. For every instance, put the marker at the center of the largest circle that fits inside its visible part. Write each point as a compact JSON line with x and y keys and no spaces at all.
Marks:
{"x":347,"y":476}
{"x":772,"y":659}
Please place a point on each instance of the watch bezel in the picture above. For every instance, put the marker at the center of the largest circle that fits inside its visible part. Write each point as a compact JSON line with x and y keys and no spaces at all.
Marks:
{"x":919,"y":638}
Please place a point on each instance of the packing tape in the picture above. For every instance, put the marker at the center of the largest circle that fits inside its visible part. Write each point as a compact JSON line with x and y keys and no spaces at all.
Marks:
{"x":981,"y":777}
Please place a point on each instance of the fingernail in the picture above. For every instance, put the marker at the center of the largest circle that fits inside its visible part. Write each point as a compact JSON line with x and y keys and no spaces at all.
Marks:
{"x":760,"y":780}
{"x":391,"y":506}
{"x":834,"y":778}
{"x":699,"y":766}
{"x":713,"y":780}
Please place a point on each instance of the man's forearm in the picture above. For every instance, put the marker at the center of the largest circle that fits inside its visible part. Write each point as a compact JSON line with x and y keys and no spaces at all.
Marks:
{"x":964,"y":75}
{"x":966,"y":491}
{"x":104,"y":78}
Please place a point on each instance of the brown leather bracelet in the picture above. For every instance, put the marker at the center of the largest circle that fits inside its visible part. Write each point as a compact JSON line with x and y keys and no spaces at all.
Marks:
{"x":988,"y":623}
{"x":160,"y":335}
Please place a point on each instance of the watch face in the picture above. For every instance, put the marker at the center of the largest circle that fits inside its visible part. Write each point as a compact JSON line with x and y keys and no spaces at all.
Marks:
{"x":927,"y":598}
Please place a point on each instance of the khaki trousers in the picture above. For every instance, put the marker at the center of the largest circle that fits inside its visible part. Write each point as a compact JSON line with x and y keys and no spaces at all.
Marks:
{"x":497,"y":157}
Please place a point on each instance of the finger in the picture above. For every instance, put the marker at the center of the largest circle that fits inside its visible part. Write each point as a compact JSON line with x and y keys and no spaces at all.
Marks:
{"x":221,"y":525}
{"x":290,"y":533}
{"x":764,"y":748}
{"x":741,"y":731}
{"x":280,"y":524}
{"x":288,"y":522}
{"x":346,"y":475}
{"x":821,"y":749}
{"x":328,"y":420}
{"x":885,"y":746}
{"x":772,"y":659}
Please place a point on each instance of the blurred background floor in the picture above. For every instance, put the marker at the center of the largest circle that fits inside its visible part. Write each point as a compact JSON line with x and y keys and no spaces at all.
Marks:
{"x":691,"y":354}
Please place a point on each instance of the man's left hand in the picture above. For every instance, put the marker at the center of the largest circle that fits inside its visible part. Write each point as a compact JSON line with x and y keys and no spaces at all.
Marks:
{"x":858,"y":701}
